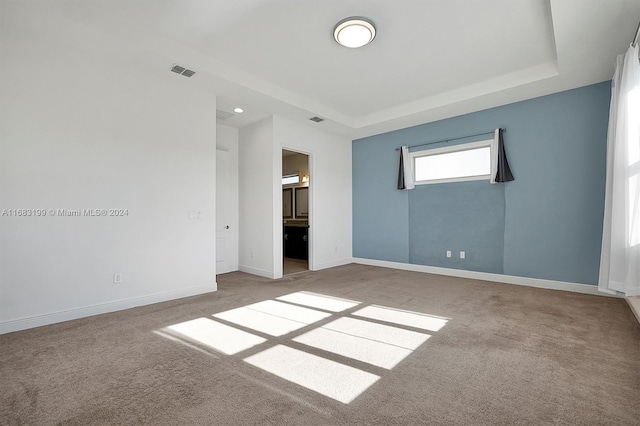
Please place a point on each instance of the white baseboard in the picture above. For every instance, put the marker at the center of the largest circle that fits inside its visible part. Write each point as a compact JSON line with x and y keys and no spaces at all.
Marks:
{"x":256,"y":271}
{"x":102,"y":308}
{"x":634,"y":304}
{"x":333,"y":264}
{"x":486,"y":276}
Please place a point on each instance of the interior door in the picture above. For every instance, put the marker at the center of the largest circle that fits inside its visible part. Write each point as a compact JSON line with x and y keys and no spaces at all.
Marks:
{"x":223,"y":212}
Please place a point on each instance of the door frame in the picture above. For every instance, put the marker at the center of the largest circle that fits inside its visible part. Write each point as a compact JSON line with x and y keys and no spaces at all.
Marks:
{"x":279,"y":254}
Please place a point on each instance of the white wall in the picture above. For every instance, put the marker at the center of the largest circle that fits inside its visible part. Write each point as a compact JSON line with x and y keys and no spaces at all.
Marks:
{"x":260,"y":159}
{"x":330,"y":190}
{"x":80,"y":131}
{"x":256,"y":166}
{"x":227,"y":140}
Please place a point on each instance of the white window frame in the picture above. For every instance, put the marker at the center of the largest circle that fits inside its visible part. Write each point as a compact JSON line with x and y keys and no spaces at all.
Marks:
{"x":449,"y":149}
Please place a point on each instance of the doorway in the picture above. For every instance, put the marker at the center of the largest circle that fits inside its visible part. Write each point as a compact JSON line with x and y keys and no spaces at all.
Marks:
{"x":296,"y":181}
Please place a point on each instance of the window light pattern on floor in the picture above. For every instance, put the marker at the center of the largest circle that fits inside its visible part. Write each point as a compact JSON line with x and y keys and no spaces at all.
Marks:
{"x":272,"y":317}
{"x":375,"y":344}
{"x":376,"y":335}
{"x":338,"y":381}
{"x":400,"y":317}
{"x":212,"y":334}
{"x":319,"y":301}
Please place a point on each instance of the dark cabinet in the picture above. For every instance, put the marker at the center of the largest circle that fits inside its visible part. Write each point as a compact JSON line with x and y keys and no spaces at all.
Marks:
{"x":296,"y":244}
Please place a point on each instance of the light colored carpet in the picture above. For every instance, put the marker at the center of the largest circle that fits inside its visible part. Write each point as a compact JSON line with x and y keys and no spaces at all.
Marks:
{"x":411,"y":349}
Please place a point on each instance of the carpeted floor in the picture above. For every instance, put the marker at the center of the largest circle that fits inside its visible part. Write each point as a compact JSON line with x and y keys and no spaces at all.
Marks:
{"x":404,"y":348}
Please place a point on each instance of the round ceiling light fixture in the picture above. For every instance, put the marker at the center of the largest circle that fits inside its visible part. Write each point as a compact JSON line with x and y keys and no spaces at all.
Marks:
{"x":354,"y":32}
{"x":238,"y":110}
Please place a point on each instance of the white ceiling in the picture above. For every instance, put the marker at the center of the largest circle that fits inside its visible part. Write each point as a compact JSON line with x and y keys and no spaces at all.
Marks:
{"x":431,"y":59}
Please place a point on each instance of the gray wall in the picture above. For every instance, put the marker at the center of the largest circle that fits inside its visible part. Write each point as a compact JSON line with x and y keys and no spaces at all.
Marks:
{"x":545,"y":224}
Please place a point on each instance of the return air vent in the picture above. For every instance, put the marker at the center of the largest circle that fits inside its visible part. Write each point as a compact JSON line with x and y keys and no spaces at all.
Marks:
{"x":223,"y":115}
{"x":182,"y":70}
{"x":317,"y":119}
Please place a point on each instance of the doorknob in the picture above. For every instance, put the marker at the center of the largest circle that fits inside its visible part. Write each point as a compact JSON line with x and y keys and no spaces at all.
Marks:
{"x":226,"y":227}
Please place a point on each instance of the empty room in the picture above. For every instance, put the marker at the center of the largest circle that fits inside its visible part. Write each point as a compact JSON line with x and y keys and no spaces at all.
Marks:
{"x":338,"y":212}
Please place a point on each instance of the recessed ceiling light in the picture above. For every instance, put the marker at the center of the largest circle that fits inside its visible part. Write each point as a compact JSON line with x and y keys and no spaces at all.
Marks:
{"x":238,"y":110}
{"x":354,"y":32}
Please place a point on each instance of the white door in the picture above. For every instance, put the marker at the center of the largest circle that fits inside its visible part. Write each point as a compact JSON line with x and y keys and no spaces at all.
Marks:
{"x":223,"y":213}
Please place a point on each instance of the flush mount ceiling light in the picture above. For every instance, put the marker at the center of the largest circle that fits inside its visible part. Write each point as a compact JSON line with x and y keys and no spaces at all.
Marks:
{"x":354,"y":32}
{"x":238,"y":110}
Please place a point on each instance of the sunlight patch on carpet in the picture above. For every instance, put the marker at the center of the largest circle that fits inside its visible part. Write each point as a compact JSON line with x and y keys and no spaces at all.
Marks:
{"x":379,"y":336}
{"x":375,"y":344}
{"x":320,"y":301}
{"x":221,"y":337}
{"x":400,"y":317}
{"x":291,"y":312}
{"x":260,"y":321}
{"x":329,"y":378}
{"x":381,"y":333}
{"x":365,"y":350}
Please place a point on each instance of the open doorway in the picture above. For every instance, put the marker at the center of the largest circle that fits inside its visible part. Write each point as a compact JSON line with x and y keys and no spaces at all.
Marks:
{"x":295,"y":212}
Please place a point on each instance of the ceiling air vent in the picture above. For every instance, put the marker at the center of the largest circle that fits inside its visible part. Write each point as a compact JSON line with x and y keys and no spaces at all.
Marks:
{"x":317,"y":119}
{"x":223,"y":115}
{"x":182,"y":70}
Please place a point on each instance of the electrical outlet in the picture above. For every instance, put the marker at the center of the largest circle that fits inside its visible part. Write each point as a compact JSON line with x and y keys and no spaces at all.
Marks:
{"x":462,"y":255}
{"x":448,"y":253}
{"x":252,"y":254}
{"x":336,"y":249}
{"x":117,"y":278}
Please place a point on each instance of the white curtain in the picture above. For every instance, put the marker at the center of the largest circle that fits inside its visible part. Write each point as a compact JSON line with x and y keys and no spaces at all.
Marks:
{"x":620,"y":256}
{"x":494,"y":156}
{"x":405,"y":172}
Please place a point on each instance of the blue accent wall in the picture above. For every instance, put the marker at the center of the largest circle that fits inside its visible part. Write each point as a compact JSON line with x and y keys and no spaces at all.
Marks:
{"x":382,"y":222}
{"x":465,"y":216}
{"x":545,"y":224}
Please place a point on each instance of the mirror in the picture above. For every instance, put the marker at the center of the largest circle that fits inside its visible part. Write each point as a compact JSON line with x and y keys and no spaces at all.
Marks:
{"x":302,"y":202}
{"x":287,"y":203}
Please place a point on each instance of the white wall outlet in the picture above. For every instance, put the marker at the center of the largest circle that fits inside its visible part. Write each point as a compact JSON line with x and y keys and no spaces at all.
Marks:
{"x":117,"y":278}
{"x":448,"y":253}
{"x":252,"y":254}
{"x":462,"y":255}
{"x":336,"y":249}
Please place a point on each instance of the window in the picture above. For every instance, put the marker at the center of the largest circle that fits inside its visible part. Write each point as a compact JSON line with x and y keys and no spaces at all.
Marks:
{"x":291,"y":179}
{"x":458,"y":163}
